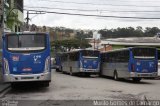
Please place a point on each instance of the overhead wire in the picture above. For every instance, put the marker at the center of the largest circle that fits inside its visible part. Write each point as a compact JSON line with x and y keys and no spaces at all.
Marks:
{"x":89,"y":3}
{"x":90,"y":9}
{"x":92,"y":15}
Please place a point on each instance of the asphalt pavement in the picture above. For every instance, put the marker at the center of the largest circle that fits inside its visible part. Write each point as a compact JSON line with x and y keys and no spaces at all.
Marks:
{"x":69,"y":90}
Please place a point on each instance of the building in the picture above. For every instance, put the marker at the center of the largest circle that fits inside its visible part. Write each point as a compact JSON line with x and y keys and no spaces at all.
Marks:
{"x":13,"y":15}
{"x":130,"y":42}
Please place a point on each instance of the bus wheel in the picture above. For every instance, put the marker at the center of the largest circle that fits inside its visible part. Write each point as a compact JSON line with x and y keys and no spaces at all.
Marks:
{"x":87,"y":74}
{"x":13,"y":85}
{"x":46,"y":84}
{"x":60,"y":69}
{"x":63,"y":72}
{"x":71,"y":73}
{"x":57,"y":70}
{"x":136,"y":79}
{"x":115,"y":76}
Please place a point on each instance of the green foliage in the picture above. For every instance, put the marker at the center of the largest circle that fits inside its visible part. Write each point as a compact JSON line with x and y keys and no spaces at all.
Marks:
{"x":129,"y":32}
{"x":82,"y":35}
{"x":12,"y":17}
{"x":70,"y":44}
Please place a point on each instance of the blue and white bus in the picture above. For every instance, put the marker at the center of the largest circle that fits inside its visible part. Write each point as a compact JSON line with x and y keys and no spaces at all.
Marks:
{"x":26,"y":58}
{"x":58,"y":65}
{"x":81,"y":61}
{"x":133,"y":63}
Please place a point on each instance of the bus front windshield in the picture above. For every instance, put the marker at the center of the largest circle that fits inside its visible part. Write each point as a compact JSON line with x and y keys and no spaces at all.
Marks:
{"x":89,"y":54}
{"x":144,"y":53}
{"x":26,"y":42}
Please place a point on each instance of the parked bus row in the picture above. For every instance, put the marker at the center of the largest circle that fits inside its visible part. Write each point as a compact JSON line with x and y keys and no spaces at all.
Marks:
{"x":26,"y":58}
{"x":130,"y":63}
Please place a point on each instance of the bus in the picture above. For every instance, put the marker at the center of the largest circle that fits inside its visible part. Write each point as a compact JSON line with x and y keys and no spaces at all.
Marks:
{"x":81,"y":61}
{"x":26,"y":58}
{"x":58,"y":65}
{"x":130,"y":63}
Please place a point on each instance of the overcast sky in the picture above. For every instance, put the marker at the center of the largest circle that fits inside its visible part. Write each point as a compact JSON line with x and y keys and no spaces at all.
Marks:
{"x":98,"y":7}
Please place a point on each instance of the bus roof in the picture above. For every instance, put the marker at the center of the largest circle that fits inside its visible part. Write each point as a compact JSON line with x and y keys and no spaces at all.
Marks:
{"x":78,"y":51}
{"x":123,"y":49}
{"x":25,"y":32}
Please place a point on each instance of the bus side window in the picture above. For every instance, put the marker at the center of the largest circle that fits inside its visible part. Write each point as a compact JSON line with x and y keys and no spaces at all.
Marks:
{"x":105,"y":56}
{"x":73,"y":56}
{"x":112,"y":57}
{"x":109,"y":57}
{"x":64,"y":57}
{"x":76,"y":56}
{"x":117,"y":56}
{"x":122,"y":56}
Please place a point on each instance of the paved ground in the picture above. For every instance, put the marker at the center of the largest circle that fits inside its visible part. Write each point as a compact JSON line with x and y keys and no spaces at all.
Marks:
{"x":66,"y":87}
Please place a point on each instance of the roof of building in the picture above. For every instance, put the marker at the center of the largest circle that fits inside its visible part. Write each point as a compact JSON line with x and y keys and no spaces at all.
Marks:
{"x":134,"y":41}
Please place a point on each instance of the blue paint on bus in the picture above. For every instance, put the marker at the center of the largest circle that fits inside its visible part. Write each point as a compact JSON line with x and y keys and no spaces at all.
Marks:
{"x":26,"y":57}
{"x":135,"y":62}
{"x":81,"y":61}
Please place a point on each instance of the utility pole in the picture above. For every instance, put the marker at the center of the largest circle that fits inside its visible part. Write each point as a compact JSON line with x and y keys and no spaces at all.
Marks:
{"x":27,"y":18}
{"x":94,"y":43}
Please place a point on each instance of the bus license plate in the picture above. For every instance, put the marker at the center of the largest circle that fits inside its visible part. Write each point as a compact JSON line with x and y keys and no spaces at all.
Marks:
{"x":144,"y":70}
{"x":27,"y":69}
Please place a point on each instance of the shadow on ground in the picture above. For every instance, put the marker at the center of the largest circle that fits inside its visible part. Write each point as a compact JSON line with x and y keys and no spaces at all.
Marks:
{"x":128,"y":80}
{"x":28,"y":87}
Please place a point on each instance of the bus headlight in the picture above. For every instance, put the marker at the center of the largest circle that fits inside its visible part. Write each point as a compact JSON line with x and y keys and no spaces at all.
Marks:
{"x":6,"y":66}
{"x":47,"y":64}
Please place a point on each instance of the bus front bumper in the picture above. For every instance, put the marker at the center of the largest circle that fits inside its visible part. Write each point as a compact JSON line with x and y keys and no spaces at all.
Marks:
{"x":89,"y":70}
{"x":144,"y":75}
{"x":27,"y":77}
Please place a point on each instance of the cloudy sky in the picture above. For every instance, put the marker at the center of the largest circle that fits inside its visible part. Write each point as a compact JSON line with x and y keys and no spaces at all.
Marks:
{"x":120,"y":8}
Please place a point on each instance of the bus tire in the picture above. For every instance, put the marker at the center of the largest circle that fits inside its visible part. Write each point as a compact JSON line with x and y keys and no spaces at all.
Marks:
{"x":115,"y":76}
{"x":46,"y":84}
{"x":87,"y":74}
{"x":13,"y":85}
{"x":57,"y":70}
{"x":71,"y":73}
{"x":136,"y":79}
{"x":100,"y":74}
{"x":60,"y":69}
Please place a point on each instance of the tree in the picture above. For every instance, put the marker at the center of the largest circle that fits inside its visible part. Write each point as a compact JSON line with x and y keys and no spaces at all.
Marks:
{"x":129,"y":32}
{"x":69,"y":44}
{"x":151,"y":31}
